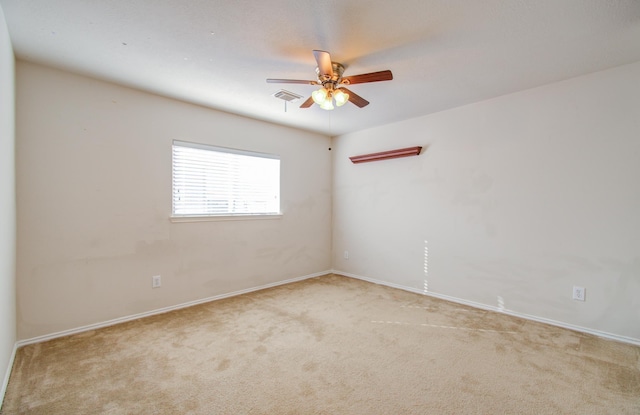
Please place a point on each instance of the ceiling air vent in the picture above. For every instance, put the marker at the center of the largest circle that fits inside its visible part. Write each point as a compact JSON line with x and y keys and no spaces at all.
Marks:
{"x":287,"y":96}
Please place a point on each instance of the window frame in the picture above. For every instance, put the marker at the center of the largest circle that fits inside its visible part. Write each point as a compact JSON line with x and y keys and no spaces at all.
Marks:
{"x":227,"y":216}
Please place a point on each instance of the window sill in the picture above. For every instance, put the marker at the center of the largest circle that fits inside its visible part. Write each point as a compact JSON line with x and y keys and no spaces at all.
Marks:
{"x":218,"y":218}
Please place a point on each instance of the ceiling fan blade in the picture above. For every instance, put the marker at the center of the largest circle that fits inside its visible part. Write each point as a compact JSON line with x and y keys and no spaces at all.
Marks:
{"x":324,"y":63}
{"x":307,"y":103}
{"x":355,"y":98}
{"x":368,"y":77}
{"x":291,"y":81}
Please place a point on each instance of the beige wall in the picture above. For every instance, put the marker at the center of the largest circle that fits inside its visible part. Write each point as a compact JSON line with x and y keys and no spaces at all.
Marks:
{"x":94,"y":199}
{"x":520,"y":197}
{"x":7,"y":207}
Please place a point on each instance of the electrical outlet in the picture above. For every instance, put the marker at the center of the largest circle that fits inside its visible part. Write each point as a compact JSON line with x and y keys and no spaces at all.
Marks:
{"x":156,"y":282}
{"x":346,"y":254}
{"x":579,"y":293}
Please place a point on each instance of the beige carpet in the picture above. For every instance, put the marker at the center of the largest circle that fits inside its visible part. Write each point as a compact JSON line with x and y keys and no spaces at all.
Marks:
{"x":329,"y":345}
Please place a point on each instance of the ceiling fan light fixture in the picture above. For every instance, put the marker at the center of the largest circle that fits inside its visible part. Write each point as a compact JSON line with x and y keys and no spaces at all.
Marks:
{"x":320,"y":96}
{"x":341,"y":97}
{"x":327,"y":105}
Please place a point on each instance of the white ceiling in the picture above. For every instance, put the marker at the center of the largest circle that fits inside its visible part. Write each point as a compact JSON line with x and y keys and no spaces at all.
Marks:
{"x":218,"y":53}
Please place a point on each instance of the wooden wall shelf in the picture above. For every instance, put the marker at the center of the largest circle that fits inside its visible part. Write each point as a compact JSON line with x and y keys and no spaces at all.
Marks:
{"x":385,"y":155}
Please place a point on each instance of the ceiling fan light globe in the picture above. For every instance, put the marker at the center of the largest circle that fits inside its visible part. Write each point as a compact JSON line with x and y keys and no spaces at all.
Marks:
{"x":327,"y":105}
{"x":319,"y":96}
{"x":341,"y":98}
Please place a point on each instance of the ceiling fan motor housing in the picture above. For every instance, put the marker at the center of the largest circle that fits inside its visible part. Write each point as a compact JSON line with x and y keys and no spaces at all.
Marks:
{"x":333,"y":79}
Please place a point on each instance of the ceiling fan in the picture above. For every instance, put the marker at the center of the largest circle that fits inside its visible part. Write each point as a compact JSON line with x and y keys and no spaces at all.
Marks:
{"x":333,"y":83}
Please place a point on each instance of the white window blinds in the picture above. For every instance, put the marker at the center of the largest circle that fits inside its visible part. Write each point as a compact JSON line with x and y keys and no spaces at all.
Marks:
{"x":210,"y":181}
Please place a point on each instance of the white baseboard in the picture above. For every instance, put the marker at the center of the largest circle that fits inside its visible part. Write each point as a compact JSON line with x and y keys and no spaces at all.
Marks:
{"x":610,"y":336}
{"x":108,"y":323}
{"x":39,"y":339}
{"x":5,"y":381}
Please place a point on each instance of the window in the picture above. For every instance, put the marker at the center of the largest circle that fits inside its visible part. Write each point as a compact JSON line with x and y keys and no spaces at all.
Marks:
{"x":216,"y":181}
